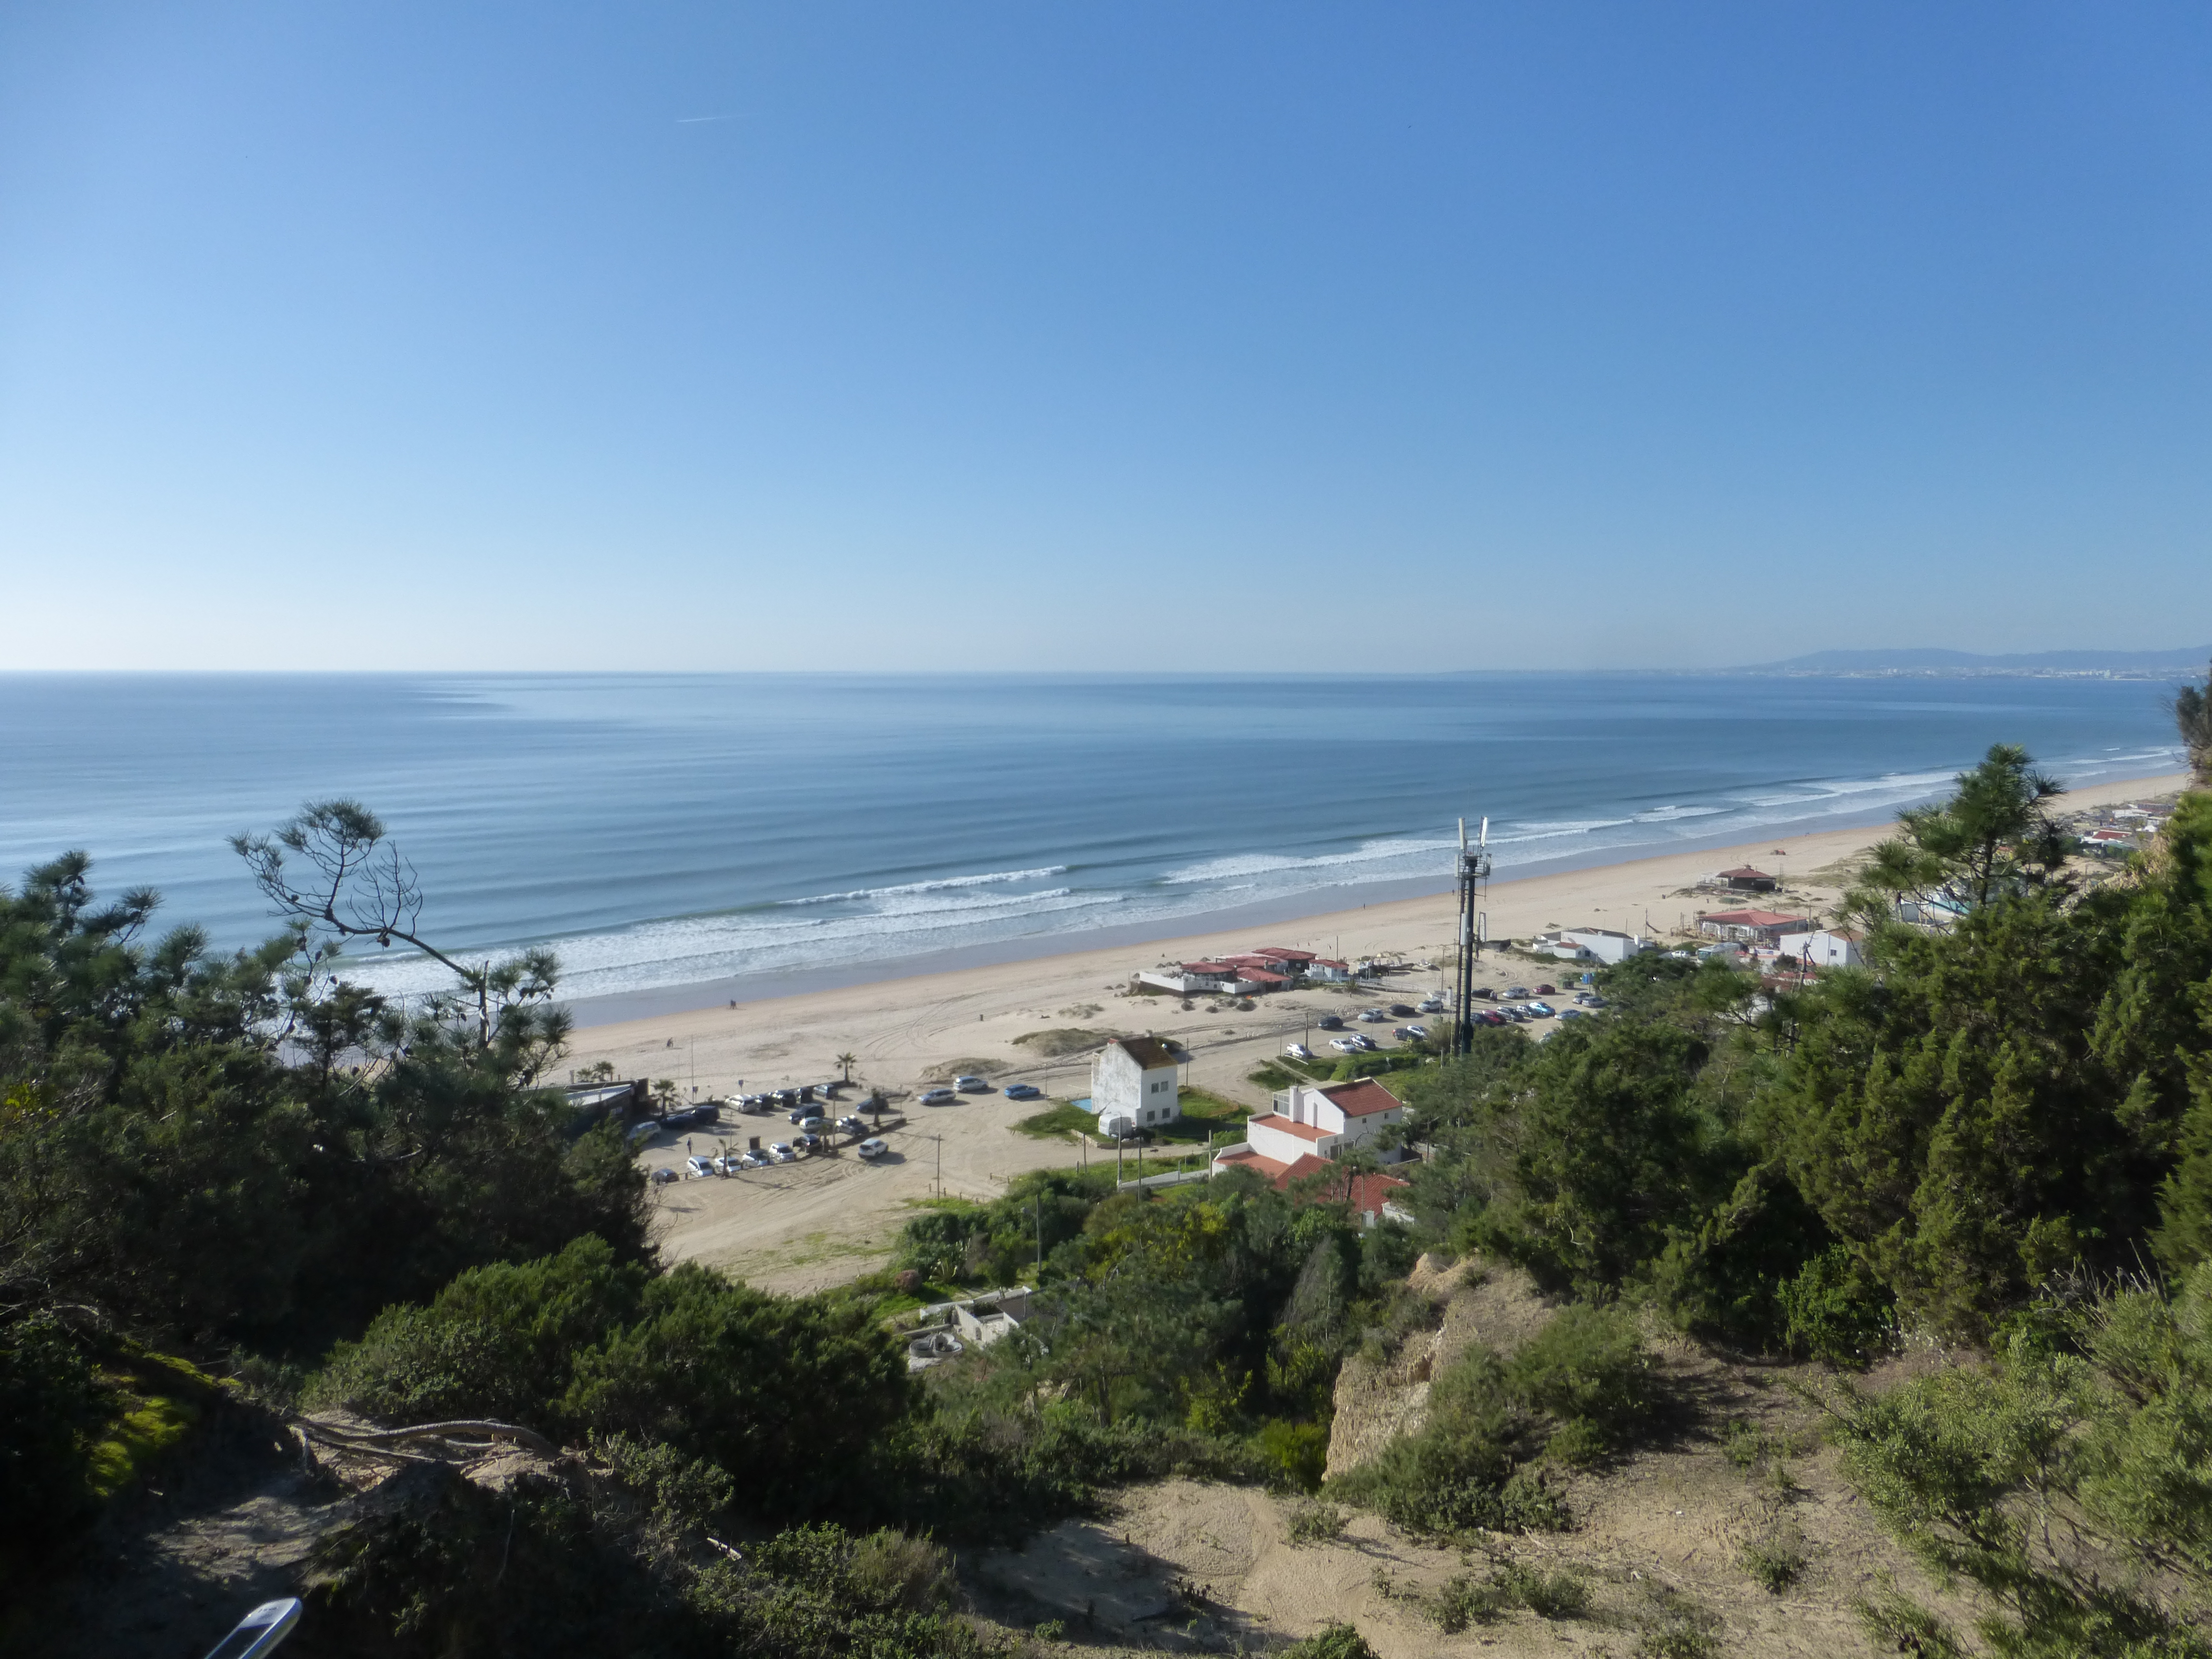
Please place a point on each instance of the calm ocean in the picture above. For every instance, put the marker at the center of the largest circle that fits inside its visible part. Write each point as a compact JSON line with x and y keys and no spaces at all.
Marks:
{"x":673,"y":829}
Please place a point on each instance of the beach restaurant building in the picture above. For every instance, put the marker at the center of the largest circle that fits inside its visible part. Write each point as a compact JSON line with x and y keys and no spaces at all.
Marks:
{"x":1745,"y":879}
{"x":1750,"y":926}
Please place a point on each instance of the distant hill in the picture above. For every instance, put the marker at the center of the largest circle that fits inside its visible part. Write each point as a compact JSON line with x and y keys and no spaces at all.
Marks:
{"x":2161,"y":664}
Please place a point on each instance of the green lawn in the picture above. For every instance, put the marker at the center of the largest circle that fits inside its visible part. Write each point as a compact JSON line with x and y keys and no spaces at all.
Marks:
{"x":1061,"y":1119}
{"x":1200,"y":1112}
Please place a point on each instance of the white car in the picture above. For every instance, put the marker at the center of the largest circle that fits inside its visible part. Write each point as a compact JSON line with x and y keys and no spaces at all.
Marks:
{"x":871,"y":1147}
{"x":753,"y":1160}
{"x":939,"y":1096}
{"x":696,"y":1166}
{"x":1298,"y":1051}
{"x":1347,"y":1045}
{"x":781,"y":1153}
{"x":1430,"y":1005}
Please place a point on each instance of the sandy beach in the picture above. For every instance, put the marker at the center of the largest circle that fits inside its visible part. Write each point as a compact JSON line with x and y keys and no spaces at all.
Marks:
{"x":821,"y":1221}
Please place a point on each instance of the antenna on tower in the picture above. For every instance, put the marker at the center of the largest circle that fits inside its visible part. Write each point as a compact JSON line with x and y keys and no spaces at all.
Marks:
{"x":1473,"y":926}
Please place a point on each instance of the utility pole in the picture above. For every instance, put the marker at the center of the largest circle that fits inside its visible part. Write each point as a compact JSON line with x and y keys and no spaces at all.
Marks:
{"x":1040,"y":1227}
{"x":1473,"y":872}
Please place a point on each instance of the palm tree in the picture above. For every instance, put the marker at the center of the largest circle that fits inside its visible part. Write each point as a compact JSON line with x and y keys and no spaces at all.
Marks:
{"x":2192,"y":718}
{"x":847,"y":1061}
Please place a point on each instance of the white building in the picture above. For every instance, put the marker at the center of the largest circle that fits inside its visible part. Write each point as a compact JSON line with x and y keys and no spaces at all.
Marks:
{"x":1823,"y":947}
{"x":1607,"y":945}
{"x":1318,"y":1120}
{"x":1135,"y":1078}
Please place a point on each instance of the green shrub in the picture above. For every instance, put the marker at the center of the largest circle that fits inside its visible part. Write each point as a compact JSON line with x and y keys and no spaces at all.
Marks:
{"x":52,"y":1401}
{"x":1588,"y":1371}
{"x":1833,"y":1311}
{"x":1299,"y":1451}
{"x":1776,"y":1562}
{"x":1316,"y":1524}
{"x":499,"y":1341}
{"x":1465,"y":1600}
{"x":1336,"y":1642}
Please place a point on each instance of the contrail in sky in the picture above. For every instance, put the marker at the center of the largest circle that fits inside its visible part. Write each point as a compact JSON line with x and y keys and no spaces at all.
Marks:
{"x":694,"y":120}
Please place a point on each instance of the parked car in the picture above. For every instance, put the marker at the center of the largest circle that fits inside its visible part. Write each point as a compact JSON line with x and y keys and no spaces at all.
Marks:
{"x":1330,"y":1022}
{"x":1403,"y":1010}
{"x":1517,"y":992}
{"x":781,"y":1153}
{"x":1492,"y":1017}
{"x":642,"y":1133}
{"x":697,"y":1166}
{"x":1429,"y":1006}
{"x":1418,"y":1031}
{"x":1372,"y":1016}
{"x":1542,"y":1010}
{"x":1347,"y":1045}
{"x":1548,"y":990}
{"x":851,"y":1126}
{"x":1023,"y":1091}
{"x":751,"y":1160}
{"x":1487,"y":993}
{"x":872,"y":1148}
{"x":1567,"y":1014}
{"x":662,"y":1175}
{"x":1298,"y":1051}
{"x":810,"y":1143}
{"x":939,"y":1096}
{"x":1367,"y":1045}
{"x":972,"y":1085}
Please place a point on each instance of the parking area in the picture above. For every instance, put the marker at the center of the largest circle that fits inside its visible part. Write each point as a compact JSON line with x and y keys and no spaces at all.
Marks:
{"x":826,"y":1218}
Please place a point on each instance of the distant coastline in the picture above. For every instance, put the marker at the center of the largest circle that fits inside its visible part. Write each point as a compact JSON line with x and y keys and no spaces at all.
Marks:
{"x":1932,"y":663}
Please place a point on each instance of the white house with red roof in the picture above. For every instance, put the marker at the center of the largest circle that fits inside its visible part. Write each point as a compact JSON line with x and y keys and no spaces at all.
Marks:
{"x":1310,"y":1125}
{"x":1316,"y":1120}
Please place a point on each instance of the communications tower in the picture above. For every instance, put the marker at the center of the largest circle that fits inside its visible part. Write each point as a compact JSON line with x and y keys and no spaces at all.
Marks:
{"x":1473,"y":876}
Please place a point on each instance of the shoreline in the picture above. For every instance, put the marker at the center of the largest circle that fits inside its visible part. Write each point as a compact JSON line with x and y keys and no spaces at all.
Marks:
{"x":1302,"y":911}
{"x":1038,"y":1018}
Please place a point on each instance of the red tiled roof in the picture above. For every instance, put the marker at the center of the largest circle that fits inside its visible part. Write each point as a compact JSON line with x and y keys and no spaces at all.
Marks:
{"x":1744,"y":871}
{"x":1249,"y":1160}
{"x":1362,"y":1097}
{"x":1325,"y":961}
{"x":1749,"y":918}
{"x":1367,"y":1194}
{"x":1303,"y":1131}
{"x":1205,"y":967}
{"x":1287,"y":956}
{"x":1262,"y":976}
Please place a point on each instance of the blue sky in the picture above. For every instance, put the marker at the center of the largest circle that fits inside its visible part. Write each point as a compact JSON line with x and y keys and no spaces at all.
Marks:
{"x":1173,"y":335}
